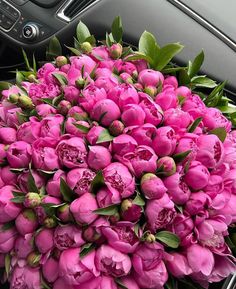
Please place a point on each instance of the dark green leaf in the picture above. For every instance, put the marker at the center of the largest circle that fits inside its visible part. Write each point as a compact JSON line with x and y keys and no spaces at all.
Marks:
{"x":107,"y":211}
{"x":181,"y":99}
{"x":82,"y":32}
{"x":184,"y":284}
{"x":56,"y":100}
{"x":21,"y":117}
{"x":203,"y":81}
{"x":230,"y":244}
{"x":86,"y":249}
{"x":17,"y":170}
{"x":181,"y":156}
{"x":7,"y":264}
{"x":173,"y":69}
{"x":109,"y":39}
{"x":120,"y":284}
{"x":220,"y":132}
{"x":61,"y":78}
{"x":31,"y":183}
{"x":54,"y":49}
{"x":104,"y":136}
{"x":8,"y":226}
{"x":47,"y":172}
{"x":184,"y":79}
{"x":67,"y":193}
{"x":148,"y":46}
{"x":179,"y":208}
{"x":195,"y":66}
{"x":117,"y":29}
{"x":194,"y":125}
{"x":168,"y":238}
{"x":136,"y":230}
{"x":44,"y":285}
{"x":217,"y":90}
{"x":18,"y":194}
{"x":171,"y":283}
{"x":97,"y":182}
{"x":18,"y":200}
{"x":138,"y":200}
{"x":26,"y":60}
{"x":34,"y":64}
{"x":48,"y":101}
{"x":81,"y":127}
{"x":166,"y":53}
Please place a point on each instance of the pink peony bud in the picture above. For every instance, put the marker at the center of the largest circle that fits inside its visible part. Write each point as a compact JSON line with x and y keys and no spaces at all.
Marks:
{"x":26,"y":275}
{"x":167,"y":166}
{"x":130,"y":113}
{"x":64,"y":106}
{"x":179,"y":266}
{"x":149,"y":77}
{"x":115,"y":50}
{"x":116,"y":128}
{"x":123,"y":144}
{"x":60,"y":61}
{"x":197,"y":176}
{"x":83,"y":207}
{"x":19,"y":154}
{"x":23,"y":246}
{"x":33,"y":259}
{"x":152,"y":186}
{"x":53,"y":185}
{"x":7,"y":176}
{"x":80,"y":180}
{"x":105,"y":111}
{"x":7,"y":239}
{"x":26,"y":222}
{"x":63,"y":213}
{"x":32,"y":200}
{"x":7,"y":135}
{"x":44,"y":240}
{"x":164,"y":142}
{"x":50,"y":270}
{"x":99,"y":157}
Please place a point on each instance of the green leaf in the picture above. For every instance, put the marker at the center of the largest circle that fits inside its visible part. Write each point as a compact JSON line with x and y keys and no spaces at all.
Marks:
{"x":171,"y":283}
{"x":74,"y":50}
{"x":148,"y":46}
{"x":109,"y":39}
{"x":195,"y":66}
{"x":34,"y":64}
{"x":54,"y":49}
{"x":31,"y":183}
{"x":138,"y":56}
{"x":117,"y":29}
{"x":82,"y":128}
{"x":179,"y":208}
{"x":44,"y":285}
{"x":203,"y":81}
{"x":220,"y":132}
{"x":181,"y":156}
{"x":82,"y":32}
{"x":67,"y":193}
{"x":7,"y":226}
{"x":215,"y":92}
{"x":18,"y":200}
{"x":7,"y":264}
{"x":194,"y":125}
{"x":48,"y":101}
{"x":107,"y":211}
{"x":136,"y":229}
{"x":16,"y":171}
{"x":173,"y":69}
{"x":97,"y":182}
{"x":166,"y":53}
{"x":168,"y":238}
{"x":184,"y":79}
{"x":19,"y":77}
{"x":61,"y":78}
{"x":26,"y":60}
{"x":104,"y":136}
{"x":50,"y":209}
{"x":86,"y":249}
{"x":138,"y":200}
{"x":56,"y":100}
{"x":120,"y":284}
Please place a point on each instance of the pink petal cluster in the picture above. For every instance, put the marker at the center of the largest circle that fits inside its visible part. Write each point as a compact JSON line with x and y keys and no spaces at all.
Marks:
{"x":88,"y":184}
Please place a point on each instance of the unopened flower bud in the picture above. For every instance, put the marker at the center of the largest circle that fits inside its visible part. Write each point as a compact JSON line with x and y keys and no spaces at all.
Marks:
{"x":86,"y":47}
{"x":13,"y":98}
{"x":61,"y":60}
{"x":116,"y":50}
{"x":64,"y":106}
{"x":150,"y":238}
{"x":80,"y":82}
{"x":91,"y":235}
{"x":26,"y":102}
{"x":116,"y":128}
{"x":115,"y":218}
{"x":50,"y":222}
{"x":32,"y":78}
{"x":33,"y":259}
{"x":167,"y":166}
{"x":150,"y":90}
{"x":32,"y":200}
{"x":63,"y":213}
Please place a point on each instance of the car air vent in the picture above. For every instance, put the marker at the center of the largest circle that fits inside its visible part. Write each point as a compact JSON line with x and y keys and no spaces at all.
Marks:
{"x":73,"y":8}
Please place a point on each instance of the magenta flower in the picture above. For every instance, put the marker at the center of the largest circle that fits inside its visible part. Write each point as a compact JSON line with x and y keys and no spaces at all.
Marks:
{"x":19,"y":154}
{"x":80,"y":180}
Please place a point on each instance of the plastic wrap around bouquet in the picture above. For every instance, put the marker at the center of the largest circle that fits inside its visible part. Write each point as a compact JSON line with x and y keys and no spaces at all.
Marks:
{"x":117,"y":170}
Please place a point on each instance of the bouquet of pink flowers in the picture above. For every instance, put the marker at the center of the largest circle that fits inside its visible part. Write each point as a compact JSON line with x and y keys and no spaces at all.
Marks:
{"x":117,"y":170}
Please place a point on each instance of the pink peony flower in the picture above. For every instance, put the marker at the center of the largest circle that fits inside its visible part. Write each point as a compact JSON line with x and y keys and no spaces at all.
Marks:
{"x":130,"y":113}
{"x":197,"y":176}
{"x":26,"y":277}
{"x":90,"y":96}
{"x":80,"y":180}
{"x":51,"y":126}
{"x":7,"y":135}
{"x":53,"y":185}
{"x":29,"y":131}
{"x":106,"y":197}
{"x":144,"y":135}
{"x":44,"y":240}
{"x":19,"y":154}
{"x":72,"y":152}
{"x":164,"y":142}
{"x":26,"y":222}
{"x":7,"y":239}
{"x":117,"y":177}
{"x":123,"y":144}
{"x":50,"y":270}
{"x":99,"y":157}
{"x":76,"y":270}
{"x":149,"y":77}
{"x":112,"y":262}
{"x":152,"y":186}
{"x":179,"y":266}
{"x":23,"y":246}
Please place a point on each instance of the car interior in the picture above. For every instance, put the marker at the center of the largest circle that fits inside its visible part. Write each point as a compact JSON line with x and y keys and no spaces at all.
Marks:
{"x":199,"y":25}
